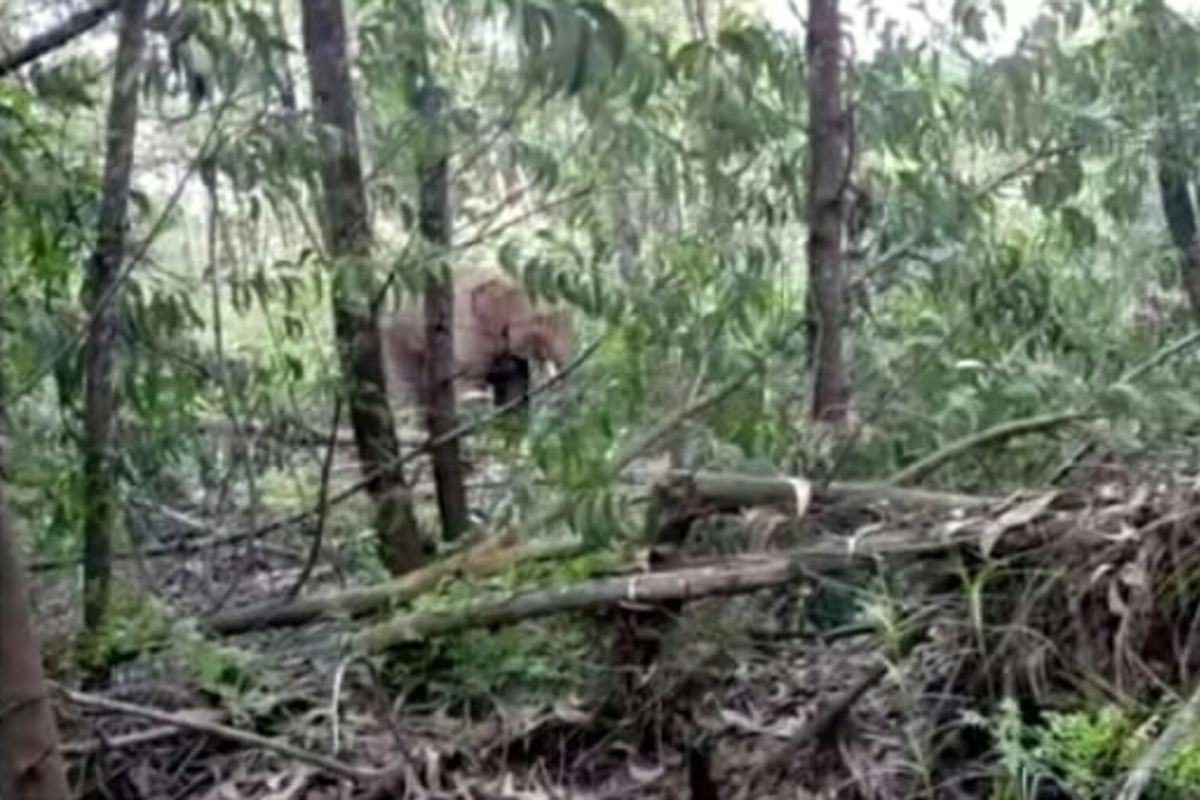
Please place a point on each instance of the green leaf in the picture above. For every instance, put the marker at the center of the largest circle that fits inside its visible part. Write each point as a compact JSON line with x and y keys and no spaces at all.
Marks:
{"x":1080,"y":227}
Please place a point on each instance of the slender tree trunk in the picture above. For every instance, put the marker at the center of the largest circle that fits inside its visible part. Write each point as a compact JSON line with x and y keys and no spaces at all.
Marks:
{"x":1179,"y":208}
{"x":829,"y":147}
{"x":103,"y":304}
{"x":441,"y":415}
{"x":347,"y":234}
{"x":30,"y":765}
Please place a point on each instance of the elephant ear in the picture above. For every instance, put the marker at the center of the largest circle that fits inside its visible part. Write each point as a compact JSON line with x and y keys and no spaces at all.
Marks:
{"x":497,"y":307}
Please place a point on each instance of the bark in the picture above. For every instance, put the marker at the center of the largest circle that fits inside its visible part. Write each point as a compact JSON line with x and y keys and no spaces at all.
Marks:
{"x":1179,"y":209}
{"x":489,"y":555}
{"x":695,"y":580}
{"x":31,"y":767}
{"x":441,"y":415}
{"x":828,"y":132}
{"x":103,"y":304}
{"x":678,"y":585}
{"x":714,"y":490}
{"x":70,"y":29}
{"x":347,"y":233}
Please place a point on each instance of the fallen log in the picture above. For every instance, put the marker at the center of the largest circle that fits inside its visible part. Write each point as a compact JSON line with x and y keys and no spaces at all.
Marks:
{"x":733,"y":489}
{"x":487,"y":557}
{"x":499,"y":551}
{"x":738,"y":575}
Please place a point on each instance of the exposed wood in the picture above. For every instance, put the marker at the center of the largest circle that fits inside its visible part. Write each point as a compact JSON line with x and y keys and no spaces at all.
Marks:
{"x":348,"y":242}
{"x":755,"y":490}
{"x":102,"y":305}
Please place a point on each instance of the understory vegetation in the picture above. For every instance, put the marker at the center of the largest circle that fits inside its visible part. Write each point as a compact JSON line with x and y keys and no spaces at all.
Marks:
{"x":871,"y":471}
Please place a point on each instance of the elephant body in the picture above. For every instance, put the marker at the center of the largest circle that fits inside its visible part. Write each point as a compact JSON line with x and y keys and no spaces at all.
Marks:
{"x":499,"y":336}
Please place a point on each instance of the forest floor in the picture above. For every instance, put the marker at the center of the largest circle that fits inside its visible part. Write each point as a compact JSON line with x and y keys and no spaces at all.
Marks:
{"x":778,"y":693}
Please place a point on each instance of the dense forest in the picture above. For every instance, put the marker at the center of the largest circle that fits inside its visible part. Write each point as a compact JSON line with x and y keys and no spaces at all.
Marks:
{"x":599,"y":398}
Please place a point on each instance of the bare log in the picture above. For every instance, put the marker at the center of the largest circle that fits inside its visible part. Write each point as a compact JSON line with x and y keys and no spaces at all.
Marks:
{"x":741,"y":491}
{"x":740,"y":575}
{"x":657,"y":587}
{"x":499,"y":551}
{"x":486,"y":557}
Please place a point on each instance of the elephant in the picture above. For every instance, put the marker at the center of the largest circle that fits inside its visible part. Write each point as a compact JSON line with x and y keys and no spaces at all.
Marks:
{"x":499,"y":337}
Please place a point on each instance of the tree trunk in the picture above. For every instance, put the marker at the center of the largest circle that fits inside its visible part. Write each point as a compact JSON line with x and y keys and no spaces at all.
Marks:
{"x":31,"y":767}
{"x":103,"y":304}
{"x":1180,"y":211}
{"x":347,"y":233}
{"x":441,"y":415}
{"x":829,"y":148}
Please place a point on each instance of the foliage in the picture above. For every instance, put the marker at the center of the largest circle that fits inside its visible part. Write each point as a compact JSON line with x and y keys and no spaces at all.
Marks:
{"x":521,"y":664}
{"x":1085,"y":752}
{"x":1014,"y":260}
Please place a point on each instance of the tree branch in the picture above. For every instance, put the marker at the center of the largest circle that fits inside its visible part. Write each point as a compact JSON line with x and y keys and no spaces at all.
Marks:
{"x":70,"y":29}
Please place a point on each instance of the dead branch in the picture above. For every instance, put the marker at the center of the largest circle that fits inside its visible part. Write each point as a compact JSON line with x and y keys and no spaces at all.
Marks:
{"x":488,"y":556}
{"x":134,"y":739}
{"x":657,"y":587}
{"x":993,"y":435}
{"x":499,"y":551}
{"x":823,"y":721}
{"x":1134,"y":373}
{"x":246,"y":738}
{"x":70,"y":29}
{"x":735,"y":490}
{"x":314,"y":553}
{"x":739,"y":575}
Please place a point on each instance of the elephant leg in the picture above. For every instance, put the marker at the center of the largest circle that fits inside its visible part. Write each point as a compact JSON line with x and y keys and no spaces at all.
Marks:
{"x":508,"y":376}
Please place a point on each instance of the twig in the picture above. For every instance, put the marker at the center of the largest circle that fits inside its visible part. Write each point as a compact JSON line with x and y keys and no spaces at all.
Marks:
{"x":997,"y":433}
{"x":1182,"y":725}
{"x":245,"y":738}
{"x":314,"y":553}
{"x":134,"y":739}
{"x":824,"y":720}
{"x":68,"y":30}
{"x":1160,"y":356}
